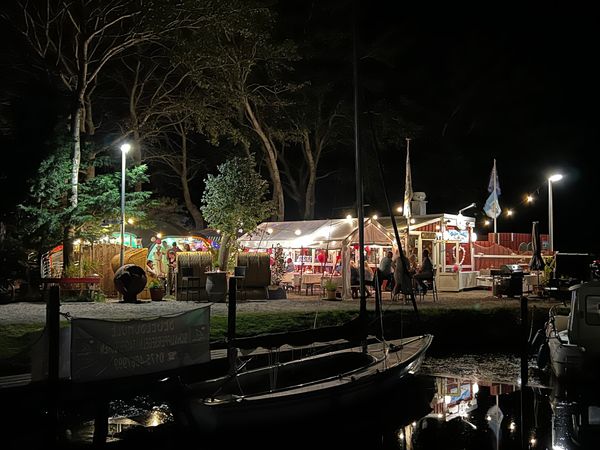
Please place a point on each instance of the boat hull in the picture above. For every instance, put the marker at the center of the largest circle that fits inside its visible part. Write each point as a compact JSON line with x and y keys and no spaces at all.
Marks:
{"x":343,"y":393}
{"x":567,"y":360}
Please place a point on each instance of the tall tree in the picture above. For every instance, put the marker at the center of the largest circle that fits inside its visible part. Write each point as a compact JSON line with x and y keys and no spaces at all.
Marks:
{"x":75,"y":40}
{"x":240,"y":64}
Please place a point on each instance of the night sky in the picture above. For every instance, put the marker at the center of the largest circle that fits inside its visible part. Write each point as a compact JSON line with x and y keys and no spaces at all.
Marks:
{"x":516,"y":85}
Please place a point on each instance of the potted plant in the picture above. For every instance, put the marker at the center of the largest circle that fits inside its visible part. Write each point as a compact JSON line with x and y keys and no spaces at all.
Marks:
{"x":330,"y":288}
{"x":156,"y":289}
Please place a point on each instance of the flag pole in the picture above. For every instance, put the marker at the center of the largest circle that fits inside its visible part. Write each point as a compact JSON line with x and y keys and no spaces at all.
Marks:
{"x":495,"y":190}
{"x":407,"y":208}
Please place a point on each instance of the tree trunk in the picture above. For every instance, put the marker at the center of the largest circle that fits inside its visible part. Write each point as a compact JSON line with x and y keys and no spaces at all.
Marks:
{"x":68,"y":231}
{"x":76,"y":133}
{"x":271,"y":154}
{"x":309,"y":198}
{"x":224,"y":251}
{"x":136,"y":148}
{"x":187,"y":197}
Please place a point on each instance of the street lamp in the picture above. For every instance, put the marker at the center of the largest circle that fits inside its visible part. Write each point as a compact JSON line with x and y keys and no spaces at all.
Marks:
{"x":472,"y":205}
{"x":552,"y":179}
{"x":124,"y":149}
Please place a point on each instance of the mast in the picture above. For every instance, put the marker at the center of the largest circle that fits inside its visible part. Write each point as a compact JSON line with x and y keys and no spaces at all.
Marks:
{"x":358,"y":174}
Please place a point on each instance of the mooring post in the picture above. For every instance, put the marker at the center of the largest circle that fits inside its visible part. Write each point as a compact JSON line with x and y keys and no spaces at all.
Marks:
{"x":524,"y":370}
{"x":524,"y":342}
{"x":53,"y":327}
{"x":231,"y":318}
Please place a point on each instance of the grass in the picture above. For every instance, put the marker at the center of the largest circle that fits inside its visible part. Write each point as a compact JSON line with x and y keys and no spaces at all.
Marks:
{"x":454,"y":330}
{"x":15,"y":343}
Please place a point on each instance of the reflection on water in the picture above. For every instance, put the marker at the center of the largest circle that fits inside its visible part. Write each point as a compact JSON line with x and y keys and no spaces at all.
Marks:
{"x":463,"y":402}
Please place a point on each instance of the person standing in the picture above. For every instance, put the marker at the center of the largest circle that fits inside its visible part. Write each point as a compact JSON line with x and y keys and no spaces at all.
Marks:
{"x":385,"y":271}
{"x":159,"y":262}
{"x":172,"y":261}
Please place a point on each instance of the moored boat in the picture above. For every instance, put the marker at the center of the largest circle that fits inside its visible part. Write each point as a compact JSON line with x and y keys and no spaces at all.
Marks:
{"x":572,"y":342}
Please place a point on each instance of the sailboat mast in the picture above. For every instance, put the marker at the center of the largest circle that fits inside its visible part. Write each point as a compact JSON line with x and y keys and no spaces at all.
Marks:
{"x":357,"y":165}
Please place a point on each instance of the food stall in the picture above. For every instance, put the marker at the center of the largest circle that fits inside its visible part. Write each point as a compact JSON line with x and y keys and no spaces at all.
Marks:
{"x":322,"y":247}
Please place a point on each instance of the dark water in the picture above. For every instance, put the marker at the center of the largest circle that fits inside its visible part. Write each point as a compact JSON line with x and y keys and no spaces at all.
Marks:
{"x":462,"y":402}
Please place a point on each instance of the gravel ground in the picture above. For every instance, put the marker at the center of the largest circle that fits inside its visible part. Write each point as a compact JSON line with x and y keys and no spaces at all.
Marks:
{"x":34,"y":312}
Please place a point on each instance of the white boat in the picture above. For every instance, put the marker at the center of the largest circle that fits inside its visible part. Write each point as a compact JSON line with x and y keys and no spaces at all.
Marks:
{"x":572,"y":342}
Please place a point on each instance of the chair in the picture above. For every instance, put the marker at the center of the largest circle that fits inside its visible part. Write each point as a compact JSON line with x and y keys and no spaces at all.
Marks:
{"x":239,"y":272}
{"x":189,"y":284}
{"x":431,"y":287}
{"x":287,"y":281}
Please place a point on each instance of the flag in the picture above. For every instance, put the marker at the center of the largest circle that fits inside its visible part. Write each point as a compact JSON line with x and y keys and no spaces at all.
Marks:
{"x":492,"y":206}
{"x":494,"y":184}
{"x":408,"y":191}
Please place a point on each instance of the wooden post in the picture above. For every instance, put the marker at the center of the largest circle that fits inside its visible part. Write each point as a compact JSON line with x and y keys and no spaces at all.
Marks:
{"x":231,"y":318}
{"x":524,"y":370}
{"x":53,"y":327}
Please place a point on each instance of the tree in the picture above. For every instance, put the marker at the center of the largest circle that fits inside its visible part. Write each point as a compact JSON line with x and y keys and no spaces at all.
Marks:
{"x":233,"y":200}
{"x":48,"y":208}
{"x":240,"y":65}
{"x":74,"y":40}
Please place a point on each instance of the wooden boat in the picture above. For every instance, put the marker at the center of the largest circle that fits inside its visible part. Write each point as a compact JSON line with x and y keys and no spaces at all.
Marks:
{"x":572,"y":342}
{"x":304,"y":388}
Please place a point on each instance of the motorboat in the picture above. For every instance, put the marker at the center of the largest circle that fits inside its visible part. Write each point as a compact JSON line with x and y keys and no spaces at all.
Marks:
{"x":571,"y":343}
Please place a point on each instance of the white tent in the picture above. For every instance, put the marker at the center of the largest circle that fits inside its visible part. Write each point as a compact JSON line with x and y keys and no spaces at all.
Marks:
{"x":333,"y":234}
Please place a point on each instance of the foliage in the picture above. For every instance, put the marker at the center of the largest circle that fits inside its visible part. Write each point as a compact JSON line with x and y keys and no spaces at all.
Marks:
{"x":71,"y":271}
{"x":330,"y":285}
{"x":47,"y":210}
{"x":155,"y":283}
{"x":233,"y":200}
{"x":278,"y":268}
{"x":548,"y":269}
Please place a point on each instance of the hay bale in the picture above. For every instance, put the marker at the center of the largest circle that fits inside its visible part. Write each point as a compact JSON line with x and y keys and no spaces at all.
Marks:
{"x":258,"y":269}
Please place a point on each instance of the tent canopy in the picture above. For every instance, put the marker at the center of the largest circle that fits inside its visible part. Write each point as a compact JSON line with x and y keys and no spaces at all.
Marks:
{"x":333,"y":233}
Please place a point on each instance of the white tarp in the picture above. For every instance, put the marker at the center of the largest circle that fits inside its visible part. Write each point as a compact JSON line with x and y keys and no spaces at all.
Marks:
{"x":332,"y":234}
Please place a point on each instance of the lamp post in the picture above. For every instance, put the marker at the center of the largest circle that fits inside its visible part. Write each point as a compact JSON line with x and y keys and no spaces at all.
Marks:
{"x":552,"y":179}
{"x":472,"y":205}
{"x":124,"y":149}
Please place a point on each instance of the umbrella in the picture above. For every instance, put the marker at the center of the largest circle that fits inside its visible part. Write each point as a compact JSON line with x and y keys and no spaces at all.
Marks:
{"x":536,"y":262}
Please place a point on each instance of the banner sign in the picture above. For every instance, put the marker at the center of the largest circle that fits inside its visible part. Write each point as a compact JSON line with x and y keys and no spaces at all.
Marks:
{"x":106,"y":349}
{"x":456,"y":235}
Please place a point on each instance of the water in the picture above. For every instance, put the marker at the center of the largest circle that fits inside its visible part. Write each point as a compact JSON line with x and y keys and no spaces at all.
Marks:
{"x":456,"y":402}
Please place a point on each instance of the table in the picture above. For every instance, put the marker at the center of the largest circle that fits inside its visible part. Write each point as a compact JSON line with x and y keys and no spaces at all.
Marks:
{"x":69,"y":283}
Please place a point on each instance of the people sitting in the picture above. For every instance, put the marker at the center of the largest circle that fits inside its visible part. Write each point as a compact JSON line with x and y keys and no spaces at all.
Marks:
{"x":425,"y":272}
{"x":355,"y":279}
{"x":289,"y":267}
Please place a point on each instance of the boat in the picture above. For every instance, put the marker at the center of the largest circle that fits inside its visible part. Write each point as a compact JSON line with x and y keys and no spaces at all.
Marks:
{"x":305,"y":388}
{"x":571,"y":346}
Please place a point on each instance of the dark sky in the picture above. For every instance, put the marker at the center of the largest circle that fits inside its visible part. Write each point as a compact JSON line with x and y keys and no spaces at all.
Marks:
{"x":517,"y":85}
